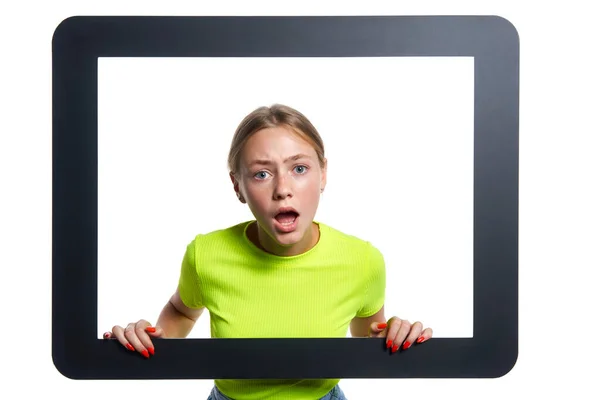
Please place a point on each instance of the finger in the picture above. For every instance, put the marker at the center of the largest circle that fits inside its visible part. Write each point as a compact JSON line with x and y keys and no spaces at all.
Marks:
{"x":107,"y":335}
{"x":131,"y":334}
{"x":377,"y":329}
{"x":394,"y":325}
{"x":154,"y":332}
{"x":143,"y":330}
{"x":401,"y":334}
{"x":413,"y":335}
{"x":425,"y":335}
{"x":118,"y":332}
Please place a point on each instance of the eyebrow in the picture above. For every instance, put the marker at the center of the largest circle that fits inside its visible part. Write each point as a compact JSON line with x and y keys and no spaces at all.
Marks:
{"x":269,"y":162}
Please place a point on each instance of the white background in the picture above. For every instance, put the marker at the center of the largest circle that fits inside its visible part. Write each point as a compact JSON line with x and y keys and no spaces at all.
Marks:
{"x":165,"y":127}
{"x":559,"y":197}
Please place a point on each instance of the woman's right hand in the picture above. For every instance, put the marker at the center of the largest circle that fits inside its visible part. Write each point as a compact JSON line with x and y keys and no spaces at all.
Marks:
{"x":137,"y":336}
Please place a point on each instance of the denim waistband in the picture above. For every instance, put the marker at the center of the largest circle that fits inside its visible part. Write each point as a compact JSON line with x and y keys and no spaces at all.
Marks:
{"x":335,"y":394}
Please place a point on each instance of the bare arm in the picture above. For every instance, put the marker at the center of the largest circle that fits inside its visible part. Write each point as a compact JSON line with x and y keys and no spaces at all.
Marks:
{"x":176,"y":319}
{"x":360,"y":327}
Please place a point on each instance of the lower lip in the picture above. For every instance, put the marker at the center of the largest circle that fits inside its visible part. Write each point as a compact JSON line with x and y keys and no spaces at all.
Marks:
{"x":288,"y":227}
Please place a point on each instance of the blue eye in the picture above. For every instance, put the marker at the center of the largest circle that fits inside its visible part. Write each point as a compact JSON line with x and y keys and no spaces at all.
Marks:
{"x":261,"y":175}
{"x":303,"y":169}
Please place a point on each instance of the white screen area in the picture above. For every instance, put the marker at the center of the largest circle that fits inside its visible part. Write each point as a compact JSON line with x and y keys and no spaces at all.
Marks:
{"x":398,"y":136}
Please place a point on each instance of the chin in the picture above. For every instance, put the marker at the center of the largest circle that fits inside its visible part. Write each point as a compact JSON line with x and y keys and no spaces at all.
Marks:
{"x":289,"y":238}
{"x":288,"y":241}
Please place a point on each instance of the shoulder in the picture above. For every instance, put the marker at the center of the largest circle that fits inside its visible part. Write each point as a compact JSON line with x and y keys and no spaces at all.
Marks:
{"x":348,"y":242}
{"x":217,"y":239}
{"x":234,"y":232}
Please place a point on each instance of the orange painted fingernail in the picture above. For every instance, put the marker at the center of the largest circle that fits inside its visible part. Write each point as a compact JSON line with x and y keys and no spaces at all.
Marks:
{"x":106,"y":335}
{"x":129,"y":346}
{"x":145,"y":354}
{"x":421,"y":339}
{"x":395,"y":348}
{"x":150,"y":329}
{"x":382,"y":325}
{"x":151,"y":350}
{"x":388,"y":344}
{"x":406,"y":345}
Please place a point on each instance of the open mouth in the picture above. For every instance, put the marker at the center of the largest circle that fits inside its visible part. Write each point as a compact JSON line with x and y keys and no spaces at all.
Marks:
{"x":286,"y":219}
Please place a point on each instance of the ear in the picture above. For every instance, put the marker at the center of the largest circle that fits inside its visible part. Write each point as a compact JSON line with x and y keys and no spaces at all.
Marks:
{"x":324,"y":175}
{"x":236,"y":187}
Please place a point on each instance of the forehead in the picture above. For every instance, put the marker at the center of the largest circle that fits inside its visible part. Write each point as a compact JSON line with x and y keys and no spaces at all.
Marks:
{"x":276,"y":142}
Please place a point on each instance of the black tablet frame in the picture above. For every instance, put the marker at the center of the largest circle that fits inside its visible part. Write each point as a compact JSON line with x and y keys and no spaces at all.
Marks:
{"x":77,"y":44}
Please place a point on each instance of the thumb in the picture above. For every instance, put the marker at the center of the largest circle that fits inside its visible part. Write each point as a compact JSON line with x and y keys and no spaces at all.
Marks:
{"x":155,"y":331}
{"x":377,"y":329}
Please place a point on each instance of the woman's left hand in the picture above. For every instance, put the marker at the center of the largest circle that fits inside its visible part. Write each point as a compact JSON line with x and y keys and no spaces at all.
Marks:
{"x":400,"y":333}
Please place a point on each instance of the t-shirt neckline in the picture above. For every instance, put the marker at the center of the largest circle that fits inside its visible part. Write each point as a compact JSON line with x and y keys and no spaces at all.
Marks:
{"x":260,"y":252}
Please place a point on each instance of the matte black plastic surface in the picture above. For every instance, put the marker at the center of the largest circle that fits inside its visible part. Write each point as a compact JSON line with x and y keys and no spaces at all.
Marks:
{"x":76,"y":46}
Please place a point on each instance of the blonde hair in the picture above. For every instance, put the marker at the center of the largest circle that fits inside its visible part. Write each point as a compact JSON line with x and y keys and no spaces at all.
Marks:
{"x":277,"y":115}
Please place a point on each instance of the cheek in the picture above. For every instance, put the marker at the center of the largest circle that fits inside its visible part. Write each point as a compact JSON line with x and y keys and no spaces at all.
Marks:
{"x":311,"y":192}
{"x":257,"y":200}
{"x":308,"y":183}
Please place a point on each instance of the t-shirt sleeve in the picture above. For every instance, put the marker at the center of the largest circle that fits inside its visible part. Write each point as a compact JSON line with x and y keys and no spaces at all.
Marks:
{"x":189,"y":280}
{"x":374,"y":296}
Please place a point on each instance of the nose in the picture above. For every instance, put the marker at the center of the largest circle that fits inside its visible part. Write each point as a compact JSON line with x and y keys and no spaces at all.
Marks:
{"x":283,"y":187}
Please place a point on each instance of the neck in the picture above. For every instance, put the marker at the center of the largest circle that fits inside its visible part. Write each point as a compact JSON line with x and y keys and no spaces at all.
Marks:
{"x":266,"y":243}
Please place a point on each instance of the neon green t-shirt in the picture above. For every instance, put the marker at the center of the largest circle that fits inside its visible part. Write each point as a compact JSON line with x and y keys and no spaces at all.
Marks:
{"x":253,"y":294}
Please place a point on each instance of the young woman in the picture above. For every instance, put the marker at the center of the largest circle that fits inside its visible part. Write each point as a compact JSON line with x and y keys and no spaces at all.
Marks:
{"x":282,"y":274}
